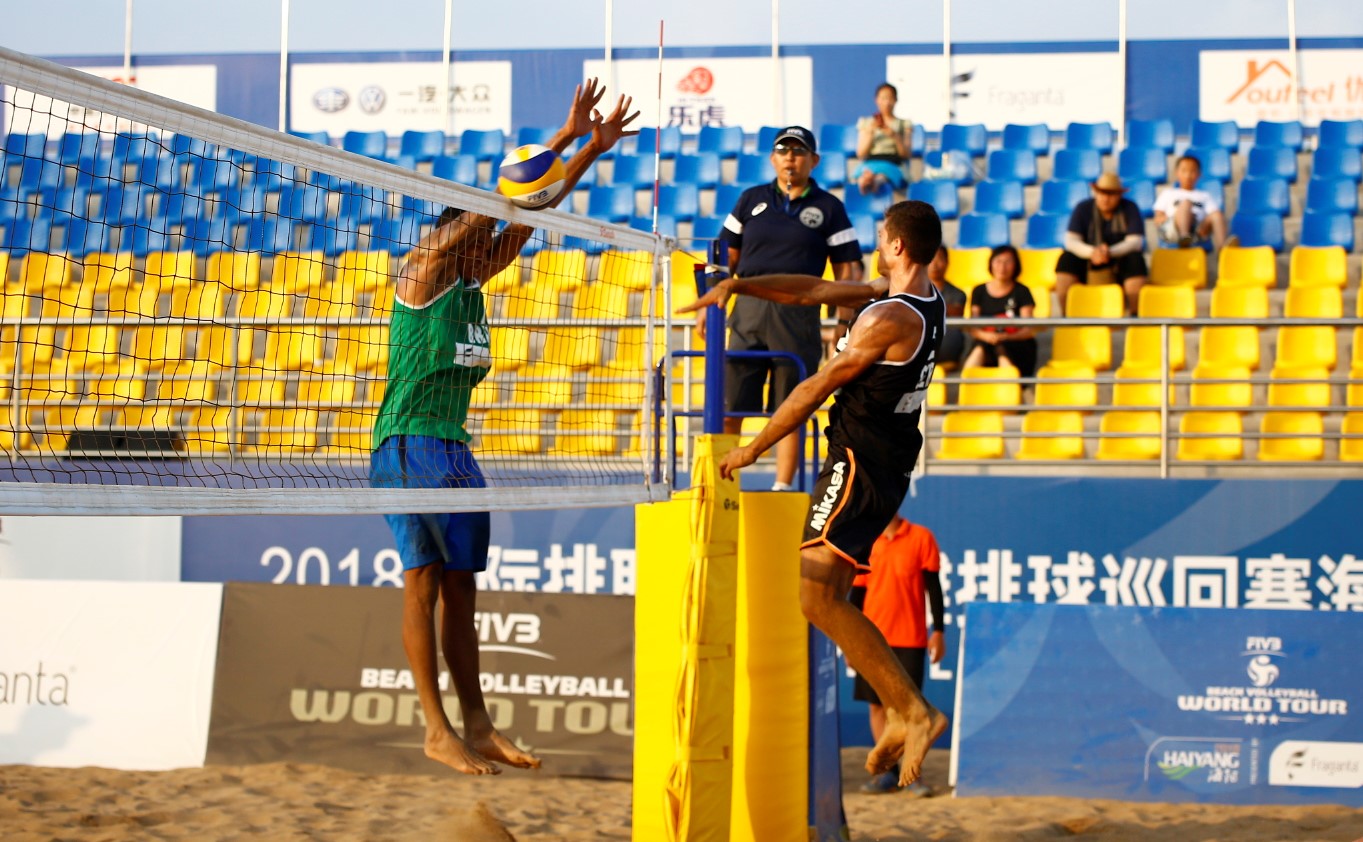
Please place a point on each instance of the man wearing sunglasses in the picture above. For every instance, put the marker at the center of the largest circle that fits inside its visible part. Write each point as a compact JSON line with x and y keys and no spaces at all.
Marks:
{"x":788,"y":226}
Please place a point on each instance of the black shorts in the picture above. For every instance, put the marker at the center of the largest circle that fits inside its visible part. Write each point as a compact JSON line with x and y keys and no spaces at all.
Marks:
{"x":1130,"y":266}
{"x":758,"y":325}
{"x":914,"y":661}
{"x":854,"y":499}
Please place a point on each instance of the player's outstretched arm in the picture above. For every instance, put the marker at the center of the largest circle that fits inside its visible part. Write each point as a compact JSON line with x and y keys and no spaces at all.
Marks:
{"x":792,"y":289}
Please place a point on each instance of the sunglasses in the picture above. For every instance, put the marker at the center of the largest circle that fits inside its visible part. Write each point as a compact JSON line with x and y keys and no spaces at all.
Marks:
{"x":794,"y":149}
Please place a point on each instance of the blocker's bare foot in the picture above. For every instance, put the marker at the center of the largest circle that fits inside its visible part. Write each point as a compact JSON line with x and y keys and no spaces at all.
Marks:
{"x":916,"y":746}
{"x":906,"y":741}
{"x":494,"y":746}
{"x":446,"y":747}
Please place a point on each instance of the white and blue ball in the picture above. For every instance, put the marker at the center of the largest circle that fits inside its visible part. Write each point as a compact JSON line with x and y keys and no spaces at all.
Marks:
{"x":531,"y":175}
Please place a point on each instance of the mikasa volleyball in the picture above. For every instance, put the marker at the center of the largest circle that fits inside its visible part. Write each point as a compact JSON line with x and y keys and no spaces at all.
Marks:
{"x":531,"y":175}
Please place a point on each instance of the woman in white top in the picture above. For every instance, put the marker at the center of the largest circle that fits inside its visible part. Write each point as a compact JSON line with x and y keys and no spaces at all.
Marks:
{"x":883,"y":142}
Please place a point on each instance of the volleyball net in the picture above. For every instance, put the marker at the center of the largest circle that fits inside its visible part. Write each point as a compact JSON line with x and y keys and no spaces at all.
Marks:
{"x":196,"y":319}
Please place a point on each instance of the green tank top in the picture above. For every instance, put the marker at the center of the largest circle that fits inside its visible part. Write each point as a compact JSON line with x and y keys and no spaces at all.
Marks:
{"x":436,"y":355}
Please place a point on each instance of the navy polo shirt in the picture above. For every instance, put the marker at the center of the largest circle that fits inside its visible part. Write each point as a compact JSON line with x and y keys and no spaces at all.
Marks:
{"x":778,"y":235}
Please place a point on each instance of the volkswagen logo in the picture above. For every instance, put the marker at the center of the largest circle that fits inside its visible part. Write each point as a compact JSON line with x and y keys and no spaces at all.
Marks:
{"x":330,"y":100}
{"x":372,"y":99}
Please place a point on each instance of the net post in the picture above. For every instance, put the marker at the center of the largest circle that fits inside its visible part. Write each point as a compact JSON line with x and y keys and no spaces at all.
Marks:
{"x":713,"y":419}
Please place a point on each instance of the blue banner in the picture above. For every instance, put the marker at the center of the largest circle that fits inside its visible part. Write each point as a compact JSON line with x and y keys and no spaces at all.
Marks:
{"x":1167,"y":704}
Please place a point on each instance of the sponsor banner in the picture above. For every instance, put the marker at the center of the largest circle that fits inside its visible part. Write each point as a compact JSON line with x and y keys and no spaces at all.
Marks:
{"x":107,"y":674}
{"x":1167,"y":704}
{"x":1003,"y":88}
{"x":103,"y":548}
{"x":395,"y":97}
{"x":192,"y":84}
{"x":1252,"y":85}
{"x":295,"y":685}
{"x":715,"y":91}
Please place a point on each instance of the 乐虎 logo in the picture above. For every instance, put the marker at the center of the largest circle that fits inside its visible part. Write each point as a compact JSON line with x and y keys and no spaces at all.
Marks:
{"x":699,"y":81}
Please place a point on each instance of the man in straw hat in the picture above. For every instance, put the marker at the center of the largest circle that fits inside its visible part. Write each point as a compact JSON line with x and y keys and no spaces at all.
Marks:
{"x":1103,"y":243}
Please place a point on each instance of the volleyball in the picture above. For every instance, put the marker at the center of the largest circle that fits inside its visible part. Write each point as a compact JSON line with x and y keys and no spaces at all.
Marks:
{"x":531,"y":175}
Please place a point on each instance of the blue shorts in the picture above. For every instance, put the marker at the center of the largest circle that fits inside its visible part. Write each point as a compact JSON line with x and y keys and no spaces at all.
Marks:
{"x":456,"y":541}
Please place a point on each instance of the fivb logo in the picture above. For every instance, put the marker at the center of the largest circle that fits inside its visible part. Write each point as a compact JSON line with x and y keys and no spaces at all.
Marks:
{"x":1261,"y":651}
{"x":822,"y":508}
{"x":506,"y":628}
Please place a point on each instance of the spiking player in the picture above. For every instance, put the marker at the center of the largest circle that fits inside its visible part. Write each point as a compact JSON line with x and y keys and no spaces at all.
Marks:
{"x":438,"y":351}
{"x":883,"y":372}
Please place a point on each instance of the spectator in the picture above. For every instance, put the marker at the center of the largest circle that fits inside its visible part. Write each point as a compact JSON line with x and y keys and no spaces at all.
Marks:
{"x":883,"y":144}
{"x":904,"y":569}
{"x":953,"y":342}
{"x":789,"y":227}
{"x":1104,"y":243}
{"x":1003,"y":297}
{"x":1186,"y":216}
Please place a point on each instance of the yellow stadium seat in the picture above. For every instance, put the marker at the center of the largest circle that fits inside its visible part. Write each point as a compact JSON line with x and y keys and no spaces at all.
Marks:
{"x":159,"y":345}
{"x":608,"y":384}
{"x":1167,"y":302}
{"x":1315,"y":393}
{"x":39,"y":271}
{"x":1208,"y":391}
{"x":1145,"y":344}
{"x":1318,"y":302}
{"x":1129,"y":434}
{"x":198,"y":301}
{"x":507,"y":279}
{"x":585,"y":432}
{"x":293,"y":348}
{"x":93,"y":347}
{"x":628,"y":345}
{"x":1247,"y":266}
{"x":544,"y":383}
{"x":111,"y":276}
{"x":1052,"y":393}
{"x":237,"y":271}
{"x":531,"y":301}
{"x":572,"y":347}
{"x":937,"y":394}
{"x":510,"y":348}
{"x":211,"y":430}
{"x":487,"y":393}
{"x":255,"y":391}
{"x":283,"y":432}
{"x":561,"y":270}
{"x":365,"y":348}
{"x":1357,"y":357}
{"x":1042,"y":439}
{"x":120,"y":383}
{"x":1324,"y":266}
{"x":599,"y":300}
{"x":298,"y":272}
{"x":1351,"y":449}
{"x":1309,"y":345}
{"x":326,"y":391}
{"x":1179,"y":267}
{"x":968,"y":268}
{"x":632,"y":270}
{"x":990,"y":386}
{"x":1038,"y":268}
{"x":1041,"y":298}
{"x":1090,"y":344}
{"x":1239,"y":303}
{"x":191,"y":381}
{"x":1305,"y":441}
{"x":1103,"y":301}
{"x":1223,"y":433}
{"x":168,"y":268}
{"x":352,"y":431}
{"x":1353,"y":393}
{"x":363,"y":271}
{"x":507,"y":431}
{"x":971,"y":434}
{"x":1233,"y":345}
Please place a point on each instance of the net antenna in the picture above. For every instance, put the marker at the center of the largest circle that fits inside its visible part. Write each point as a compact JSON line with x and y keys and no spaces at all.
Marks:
{"x":196,"y":318}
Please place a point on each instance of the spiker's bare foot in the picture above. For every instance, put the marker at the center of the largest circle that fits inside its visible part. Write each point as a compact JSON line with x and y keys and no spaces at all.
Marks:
{"x":906,"y":741}
{"x":494,"y":746}
{"x":446,"y":747}
{"x":916,"y":746}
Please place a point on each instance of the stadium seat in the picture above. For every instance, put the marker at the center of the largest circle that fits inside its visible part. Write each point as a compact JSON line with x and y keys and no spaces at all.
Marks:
{"x":934,"y":161}
{"x":1220,"y":135}
{"x":1264,"y":195}
{"x":1215,"y":162}
{"x":1080,"y":164}
{"x":461,"y":169}
{"x":967,"y":268}
{"x":755,"y":168}
{"x":1332,"y":195}
{"x":1313,"y":302}
{"x":706,"y":227}
{"x":1220,"y":386}
{"x":864,"y":224}
{"x":971,"y":434}
{"x":681,"y":202}
{"x":1299,"y":386}
{"x":212,"y":175}
{"x":483,"y":144}
{"x":303,"y":203}
{"x":1033,"y":137}
{"x":585,"y":433}
{"x":1144,"y":342}
{"x":766,"y":139}
{"x":1001,"y":197}
{"x":982,"y":230}
{"x":1210,"y":436}
{"x":1142,"y":193}
{"x":992,"y":387}
{"x":1059,"y":196}
{"x":81,"y":237}
{"x":666,"y":142}
{"x":1089,"y":344}
{"x":1272,"y":162}
{"x":1264,"y":229}
{"x":1337,"y":162}
{"x":1346,"y":133}
{"x":636,"y":171}
{"x":129,"y":147}
{"x":1157,"y":133}
{"x":76,"y":145}
{"x":1052,"y":435}
{"x":1012,"y":165}
{"x":1287,"y":134}
{"x":1096,"y":136}
{"x":1318,"y":266}
{"x":831,"y":171}
{"x":269,"y":235}
{"x":1247,"y":265}
{"x":316,"y":137}
{"x":535,"y":134}
{"x":423,"y":146}
{"x":1142,"y":163}
{"x":942,"y":195}
{"x":22,"y":235}
{"x":1229,"y":345}
{"x":970,"y":138}
{"x":665,"y":226}
{"x":1291,"y":437}
{"x":373,"y":144}
{"x":1126,"y":435}
{"x":875,"y":203}
{"x":1047,"y":231}
{"x":1179,"y":267}
{"x":1071,"y":385}
{"x":1327,"y":229}
{"x":725,"y":141}
{"x":125,"y":205}
{"x":36,"y":173}
{"x":699,"y":168}
{"x":205,"y":236}
{"x":1038,"y":273}
{"x":269,"y":174}
{"x":1137,"y":386}
{"x":612,"y":202}
{"x":833,"y":137}
{"x":726,"y":197}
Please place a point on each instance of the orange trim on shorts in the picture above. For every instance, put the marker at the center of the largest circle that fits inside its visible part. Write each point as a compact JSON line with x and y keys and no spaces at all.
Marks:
{"x":823,"y":536}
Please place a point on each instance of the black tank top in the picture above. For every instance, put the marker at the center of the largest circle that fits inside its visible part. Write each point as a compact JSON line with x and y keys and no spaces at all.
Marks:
{"x":877,"y":414}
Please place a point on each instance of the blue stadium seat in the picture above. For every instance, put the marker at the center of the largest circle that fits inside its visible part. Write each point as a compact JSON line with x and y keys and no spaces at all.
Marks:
{"x":329,"y":181}
{"x":145,"y":240}
{"x":701,"y":169}
{"x":272,"y":174}
{"x":611,"y":202}
{"x":1327,"y":229}
{"x":918,"y":143}
{"x":1077,"y":165}
{"x":125,"y":205}
{"x":1337,"y":162}
{"x":35,"y":173}
{"x":725,"y":141}
{"x":1012,"y":165}
{"x":1265,"y":229}
{"x":667,"y":142}
{"x":667,"y":225}
{"x":755,"y":168}
{"x":461,"y":169}
{"x":270,"y":235}
{"x":1099,"y":136}
{"x":865,"y":226}
{"x":185,"y":146}
{"x":971,"y":138}
{"x":633,"y":170}
{"x":982,"y":230}
{"x":1047,"y":230}
{"x":934,"y":159}
{"x":766,"y":139}
{"x":707,"y":227}
{"x":23,"y":145}
{"x":1157,"y":133}
{"x":369,"y":144}
{"x":1332,"y":195}
{"x":484,"y":144}
{"x":316,"y":137}
{"x":582,"y":244}
{"x":76,"y":145}
{"x":873,"y":204}
{"x":161,"y":172}
{"x":1142,"y":192}
{"x":395,"y":234}
{"x":81,"y":237}
{"x":833,"y":137}
{"x":212,"y":175}
{"x":726,"y":196}
{"x":1270,"y":133}
{"x":1216,"y":135}
{"x":303,"y":203}
{"x":422,"y":146}
{"x":1002,"y":197}
{"x":22,"y":235}
{"x":334,"y":239}
{"x":831,"y":171}
{"x":95,"y":173}
{"x":175,"y":208}
{"x":131,"y":147}
{"x":942,"y":195}
{"x":679,"y":201}
{"x":205,"y":236}
{"x":363,"y":206}
{"x":422,"y":210}
{"x":1060,"y":195}
{"x":57,"y":202}
{"x":1033,"y":137}
{"x":1264,"y":195}
{"x":1214,"y":188}
{"x":242,"y":202}
{"x":535,"y":134}
{"x":1142,"y":162}
{"x":1272,"y":162}
{"x":1340,"y":133}
{"x":1215,"y":161}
